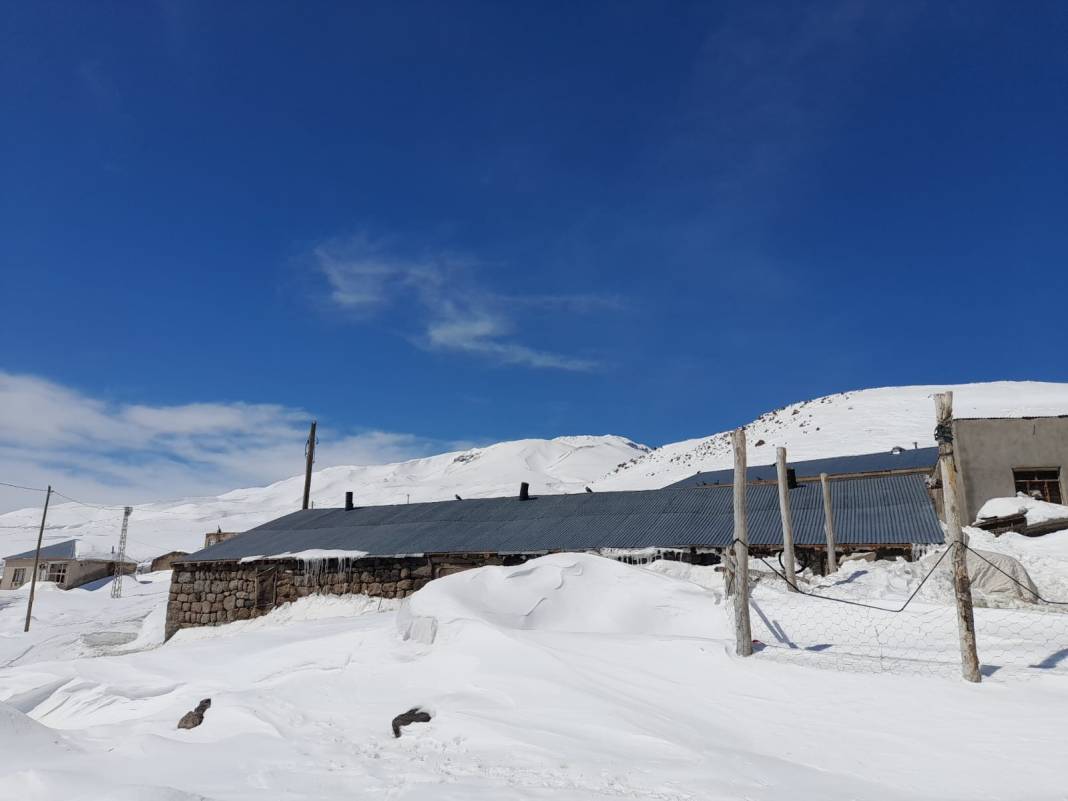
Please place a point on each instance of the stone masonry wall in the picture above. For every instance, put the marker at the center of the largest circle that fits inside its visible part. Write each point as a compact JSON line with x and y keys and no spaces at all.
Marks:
{"x":213,"y":593}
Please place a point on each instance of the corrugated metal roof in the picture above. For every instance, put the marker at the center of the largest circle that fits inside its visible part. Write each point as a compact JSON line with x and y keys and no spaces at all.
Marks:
{"x":881,"y":510}
{"x":71,"y":549}
{"x":836,"y":465}
{"x":61,"y":550}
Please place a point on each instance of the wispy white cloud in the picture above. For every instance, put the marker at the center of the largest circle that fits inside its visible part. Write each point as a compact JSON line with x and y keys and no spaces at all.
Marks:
{"x":124,"y":453}
{"x":452,"y":311}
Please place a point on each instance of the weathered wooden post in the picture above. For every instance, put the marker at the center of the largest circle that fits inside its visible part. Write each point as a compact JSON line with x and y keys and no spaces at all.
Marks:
{"x":742,"y":628}
{"x":787,"y":519}
{"x":962,"y":588}
{"x":828,"y":523}
{"x":309,"y":460}
{"x":37,"y":558}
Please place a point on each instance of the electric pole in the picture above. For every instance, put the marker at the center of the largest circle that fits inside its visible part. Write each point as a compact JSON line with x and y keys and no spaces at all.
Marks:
{"x":37,"y":558}
{"x":116,"y":585}
{"x":309,"y":454}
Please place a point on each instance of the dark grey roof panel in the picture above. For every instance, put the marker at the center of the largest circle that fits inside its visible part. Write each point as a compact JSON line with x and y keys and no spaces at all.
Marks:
{"x":61,"y":550}
{"x":880,"y":510}
{"x":916,"y":458}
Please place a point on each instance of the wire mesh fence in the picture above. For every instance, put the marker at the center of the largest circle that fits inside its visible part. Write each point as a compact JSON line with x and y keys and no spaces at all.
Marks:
{"x":912,"y":626}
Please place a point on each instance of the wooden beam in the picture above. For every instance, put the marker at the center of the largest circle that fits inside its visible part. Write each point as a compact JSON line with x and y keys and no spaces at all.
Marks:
{"x":787,"y":520}
{"x":955,"y":539}
{"x":742,"y":628}
{"x":828,"y":523}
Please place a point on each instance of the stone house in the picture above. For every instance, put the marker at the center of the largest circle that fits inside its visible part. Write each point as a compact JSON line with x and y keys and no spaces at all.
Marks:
{"x":68,"y":564}
{"x":392,"y":551}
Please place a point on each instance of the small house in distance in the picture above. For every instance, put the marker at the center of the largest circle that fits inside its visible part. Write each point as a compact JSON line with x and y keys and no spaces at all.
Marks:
{"x":392,"y":551}
{"x":166,"y":561}
{"x":68,"y":564}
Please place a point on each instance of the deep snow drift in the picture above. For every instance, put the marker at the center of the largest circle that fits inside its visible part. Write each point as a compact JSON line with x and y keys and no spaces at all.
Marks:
{"x":569,"y":677}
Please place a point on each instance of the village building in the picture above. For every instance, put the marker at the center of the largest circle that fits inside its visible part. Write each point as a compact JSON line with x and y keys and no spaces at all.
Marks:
{"x":67,"y":564}
{"x":1001,"y":456}
{"x":885,"y":504}
{"x":166,"y":561}
{"x":392,"y":551}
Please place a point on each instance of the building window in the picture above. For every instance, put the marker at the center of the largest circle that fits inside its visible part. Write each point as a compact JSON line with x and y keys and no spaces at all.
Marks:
{"x":19,"y":577}
{"x":57,"y":572}
{"x":1043,"y":483}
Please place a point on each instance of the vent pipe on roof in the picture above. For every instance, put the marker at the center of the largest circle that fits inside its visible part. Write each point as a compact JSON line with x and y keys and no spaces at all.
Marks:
{"x":348,"y":502}
{"x":791,"y":478}
{"x":524,"y":491}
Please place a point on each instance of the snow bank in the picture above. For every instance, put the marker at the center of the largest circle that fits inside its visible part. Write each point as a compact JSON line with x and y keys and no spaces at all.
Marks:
{"x":1036,"y":511}
{"x":314,"y":607}
{"x":568,"y":592}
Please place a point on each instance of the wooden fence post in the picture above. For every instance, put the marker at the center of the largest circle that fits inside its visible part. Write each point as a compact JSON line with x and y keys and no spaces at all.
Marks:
{"x":742,"y":628}
{"x":962,"y":588}
{"x":828,"y":523}
{"x":787,"y":519}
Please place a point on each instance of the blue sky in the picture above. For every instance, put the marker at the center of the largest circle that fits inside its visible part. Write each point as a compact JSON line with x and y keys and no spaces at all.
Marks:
{"x":466,"y":222}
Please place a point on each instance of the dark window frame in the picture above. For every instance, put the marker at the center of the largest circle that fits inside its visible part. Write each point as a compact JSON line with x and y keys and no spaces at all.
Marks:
{"x":18,"y":577}
{"x":1046,"y":481}
{"x":57,"y":572}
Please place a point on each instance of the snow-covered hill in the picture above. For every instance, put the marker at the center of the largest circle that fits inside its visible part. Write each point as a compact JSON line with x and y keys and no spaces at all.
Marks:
{"x":564,"y":464}
{"x":864,"y":421}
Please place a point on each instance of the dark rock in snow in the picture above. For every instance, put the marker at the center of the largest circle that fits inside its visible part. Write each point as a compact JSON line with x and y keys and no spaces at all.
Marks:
{"x":190,"y":720}
{"x":413,"y":715}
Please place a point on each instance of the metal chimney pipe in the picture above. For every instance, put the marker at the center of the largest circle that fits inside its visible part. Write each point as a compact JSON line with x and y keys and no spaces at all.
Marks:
{"x":348,"y":502}
{"x":524,"y":491}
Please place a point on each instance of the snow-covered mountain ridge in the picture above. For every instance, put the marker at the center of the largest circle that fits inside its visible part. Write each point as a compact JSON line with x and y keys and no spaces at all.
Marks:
{"x":861,"y":421}
{"x":561,"y":465}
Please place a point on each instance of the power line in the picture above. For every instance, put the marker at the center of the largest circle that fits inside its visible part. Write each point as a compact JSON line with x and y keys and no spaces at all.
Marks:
{"x":19,"y":486}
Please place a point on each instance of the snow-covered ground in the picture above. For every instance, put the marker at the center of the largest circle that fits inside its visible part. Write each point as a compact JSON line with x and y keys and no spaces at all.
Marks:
{"x":570,"y":677}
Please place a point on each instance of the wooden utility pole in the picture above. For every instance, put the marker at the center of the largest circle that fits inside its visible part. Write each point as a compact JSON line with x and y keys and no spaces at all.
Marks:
{"x":742,"y":628}
{"x":37,"y":558}
{"x":962,"y":588}
{"x":828,"y":523}
{"x":309,"y":454}
{"x":787,"y":519}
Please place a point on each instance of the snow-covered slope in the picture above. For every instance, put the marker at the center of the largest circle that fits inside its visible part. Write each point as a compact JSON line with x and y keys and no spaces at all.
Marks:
{"x":564,"y":464}
{"x":864,"y":421}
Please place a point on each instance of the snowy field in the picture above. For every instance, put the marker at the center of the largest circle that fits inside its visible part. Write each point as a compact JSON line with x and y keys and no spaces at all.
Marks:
{"x":570,"y":677}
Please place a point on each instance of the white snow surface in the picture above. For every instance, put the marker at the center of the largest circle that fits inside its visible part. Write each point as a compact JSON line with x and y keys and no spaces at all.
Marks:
{"x":571,"y":677}
{"x":1034,"y":510}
